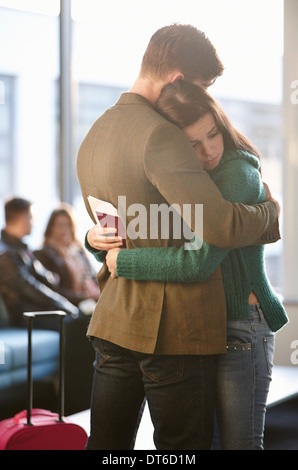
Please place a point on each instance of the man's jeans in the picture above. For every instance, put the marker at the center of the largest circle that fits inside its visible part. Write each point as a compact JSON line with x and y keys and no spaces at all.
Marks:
{"x":243,"y":379}
{"x":180,"y":392}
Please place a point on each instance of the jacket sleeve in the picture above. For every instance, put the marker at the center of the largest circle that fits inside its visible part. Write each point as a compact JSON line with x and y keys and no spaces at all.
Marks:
{"x":172,"y":167}
{"x":15,"y":276}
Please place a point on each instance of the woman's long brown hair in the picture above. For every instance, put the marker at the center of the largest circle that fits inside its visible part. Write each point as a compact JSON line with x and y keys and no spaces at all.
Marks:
{"x":183,"y":103}
{"x":64,"y":210}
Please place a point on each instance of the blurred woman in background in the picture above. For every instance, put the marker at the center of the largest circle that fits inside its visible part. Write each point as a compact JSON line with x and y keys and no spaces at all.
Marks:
{"x":64,"y":255}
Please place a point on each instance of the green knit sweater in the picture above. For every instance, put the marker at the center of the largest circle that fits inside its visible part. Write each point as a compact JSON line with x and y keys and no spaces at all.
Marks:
{"x":239,"y":180}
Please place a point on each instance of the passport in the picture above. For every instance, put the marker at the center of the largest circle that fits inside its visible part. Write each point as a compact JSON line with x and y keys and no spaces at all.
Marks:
{"x":107,"y":216}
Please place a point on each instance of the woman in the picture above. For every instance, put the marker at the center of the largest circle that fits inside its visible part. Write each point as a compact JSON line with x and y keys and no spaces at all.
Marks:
{"x":63,"y":254}
{"x":254,"y":311}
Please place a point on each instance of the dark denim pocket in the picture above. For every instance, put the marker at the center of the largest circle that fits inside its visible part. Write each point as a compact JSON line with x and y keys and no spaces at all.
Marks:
{"x":100,"y":354}
{"x":162,"y":369}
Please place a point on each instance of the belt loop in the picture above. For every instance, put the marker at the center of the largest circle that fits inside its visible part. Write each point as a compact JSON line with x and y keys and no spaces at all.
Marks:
{"x":261,"y":315}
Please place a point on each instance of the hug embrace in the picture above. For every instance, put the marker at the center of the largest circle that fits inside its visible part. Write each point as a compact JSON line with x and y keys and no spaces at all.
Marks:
{"x":192,"y":331}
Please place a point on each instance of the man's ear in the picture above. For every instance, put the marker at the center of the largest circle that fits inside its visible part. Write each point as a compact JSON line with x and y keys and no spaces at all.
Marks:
{"x":175,"y":76}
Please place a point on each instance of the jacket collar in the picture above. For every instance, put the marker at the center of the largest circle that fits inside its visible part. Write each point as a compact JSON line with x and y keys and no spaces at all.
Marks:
{"x":12,"y":241}
{"x":133,"y":98}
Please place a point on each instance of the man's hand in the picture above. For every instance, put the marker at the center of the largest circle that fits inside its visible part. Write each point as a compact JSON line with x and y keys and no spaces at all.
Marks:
{"x":111,"y":260}
{"x":270,"y":198}
{"x":103,"y":238}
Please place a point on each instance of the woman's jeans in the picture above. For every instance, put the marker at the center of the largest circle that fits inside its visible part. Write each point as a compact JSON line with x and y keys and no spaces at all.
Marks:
{"x":243,"y":379}
{"x":180,"y":392}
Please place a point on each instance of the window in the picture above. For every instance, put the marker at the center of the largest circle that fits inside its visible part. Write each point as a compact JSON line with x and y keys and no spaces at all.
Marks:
{"x":29,"y":66}
{"x":7,"y":127}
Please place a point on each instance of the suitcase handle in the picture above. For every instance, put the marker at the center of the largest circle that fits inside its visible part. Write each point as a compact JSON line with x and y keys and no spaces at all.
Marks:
{"x":31,"y":316}
{"x":23,"y":414}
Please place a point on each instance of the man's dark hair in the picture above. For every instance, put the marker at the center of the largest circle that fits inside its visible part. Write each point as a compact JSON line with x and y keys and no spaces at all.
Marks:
{"x":14,"y":207}
{"x":184,"y":48}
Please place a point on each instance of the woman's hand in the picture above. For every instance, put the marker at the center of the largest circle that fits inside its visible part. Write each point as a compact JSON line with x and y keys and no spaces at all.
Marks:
{"x":104,"y":238}
{"x":111,"y":261}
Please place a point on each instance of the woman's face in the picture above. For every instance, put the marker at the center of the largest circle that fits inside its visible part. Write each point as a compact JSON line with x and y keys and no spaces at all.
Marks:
{"x":61,"y":230}
{"x":207,"y":141}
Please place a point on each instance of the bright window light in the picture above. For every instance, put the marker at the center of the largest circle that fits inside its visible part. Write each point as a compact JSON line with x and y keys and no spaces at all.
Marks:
{"x":43,"y":7}
{"x":248,"y":36}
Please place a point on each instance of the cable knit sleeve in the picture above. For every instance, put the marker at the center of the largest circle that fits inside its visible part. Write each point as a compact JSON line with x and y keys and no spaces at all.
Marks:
{"x":169,"y":264}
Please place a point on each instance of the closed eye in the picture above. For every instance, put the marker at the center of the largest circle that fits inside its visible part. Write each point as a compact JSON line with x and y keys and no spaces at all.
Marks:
{"x":195,"y":143}
{"x":213,"y":135}
{"x":214,"y":132}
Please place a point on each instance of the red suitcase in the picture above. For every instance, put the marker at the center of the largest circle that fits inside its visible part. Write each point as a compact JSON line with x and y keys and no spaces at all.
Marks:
{"x":35,"y":429}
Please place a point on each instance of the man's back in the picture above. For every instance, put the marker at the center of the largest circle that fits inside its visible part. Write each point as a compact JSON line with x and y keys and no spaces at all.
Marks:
{"x":115,"y":160}
{"x":111,"y":157}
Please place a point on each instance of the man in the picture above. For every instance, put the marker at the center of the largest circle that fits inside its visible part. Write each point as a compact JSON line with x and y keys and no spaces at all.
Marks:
{"x":24,"y":283}
{"x":156,"y":337}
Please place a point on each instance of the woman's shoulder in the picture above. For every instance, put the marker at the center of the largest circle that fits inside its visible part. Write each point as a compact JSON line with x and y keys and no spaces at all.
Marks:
{"x":48,"y":256}
{"x":47,"y":250}
{"x":242,"y":158}
{"x":238,"y":177}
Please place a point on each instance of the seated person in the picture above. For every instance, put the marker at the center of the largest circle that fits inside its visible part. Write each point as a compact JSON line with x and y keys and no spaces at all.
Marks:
{"x":24,"y":283}
{"x":64,"y":255}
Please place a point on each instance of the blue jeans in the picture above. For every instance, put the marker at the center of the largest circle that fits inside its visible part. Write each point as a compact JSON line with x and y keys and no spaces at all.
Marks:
{"x":180,"y":391}
{"x":243,"y":379}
